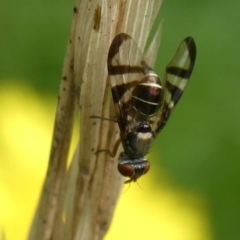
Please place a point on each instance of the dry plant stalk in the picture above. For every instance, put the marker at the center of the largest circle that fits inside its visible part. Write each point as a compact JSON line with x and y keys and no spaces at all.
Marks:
{"x":78,"y":202}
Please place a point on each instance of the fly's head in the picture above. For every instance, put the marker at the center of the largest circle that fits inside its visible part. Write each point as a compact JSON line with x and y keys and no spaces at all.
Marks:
{"x":132,"y":168}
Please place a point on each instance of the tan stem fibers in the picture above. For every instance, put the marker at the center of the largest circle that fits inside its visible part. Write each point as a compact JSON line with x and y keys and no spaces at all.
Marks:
{"x":78,"y":202}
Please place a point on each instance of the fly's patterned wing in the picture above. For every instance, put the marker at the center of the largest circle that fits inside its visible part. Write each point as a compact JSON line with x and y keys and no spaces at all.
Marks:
{"x":130,"y":79}
{"x":125,"y":70}
{"x":176,"y":77}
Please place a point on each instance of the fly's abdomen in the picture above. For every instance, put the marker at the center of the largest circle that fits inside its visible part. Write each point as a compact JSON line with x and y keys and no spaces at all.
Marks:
{"x":147,"y":95}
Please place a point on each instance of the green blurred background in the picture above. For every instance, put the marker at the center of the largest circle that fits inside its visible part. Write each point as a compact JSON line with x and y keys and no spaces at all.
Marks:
{"x":192,"y":191}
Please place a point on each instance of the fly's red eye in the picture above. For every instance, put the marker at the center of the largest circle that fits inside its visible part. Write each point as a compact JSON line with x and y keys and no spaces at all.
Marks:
{"x":146,"y":168}
{"x":126,"y":170}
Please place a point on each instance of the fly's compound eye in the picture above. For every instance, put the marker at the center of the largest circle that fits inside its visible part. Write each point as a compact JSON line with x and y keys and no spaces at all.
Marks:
{"x":126,"y":170}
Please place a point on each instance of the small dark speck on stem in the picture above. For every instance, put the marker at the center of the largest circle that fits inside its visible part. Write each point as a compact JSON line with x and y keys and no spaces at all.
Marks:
{"x":97,"y":18}
{"x":75,"y":10}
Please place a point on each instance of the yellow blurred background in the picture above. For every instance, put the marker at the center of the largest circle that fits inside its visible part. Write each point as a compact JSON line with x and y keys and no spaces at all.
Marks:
{"x":192,"y":190}
{"x":146,"y":210}
{"x":164,"y":211}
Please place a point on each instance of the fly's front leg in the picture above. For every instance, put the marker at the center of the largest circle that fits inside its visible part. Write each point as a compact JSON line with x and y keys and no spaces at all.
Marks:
{"x":112,"y":153}
{"x":116,"y":145}
{"x":103,"y":118}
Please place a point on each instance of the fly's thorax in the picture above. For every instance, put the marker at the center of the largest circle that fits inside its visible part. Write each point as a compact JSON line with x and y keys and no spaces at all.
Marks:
{"x":138,"y":141}
{"x":132,"y":168}
{"x":147,"y":95}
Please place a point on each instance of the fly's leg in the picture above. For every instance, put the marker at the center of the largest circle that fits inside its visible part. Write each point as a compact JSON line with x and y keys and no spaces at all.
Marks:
{"x":103,"y":118}
{"x":116,"y":145}
{"x":112,"y":153}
